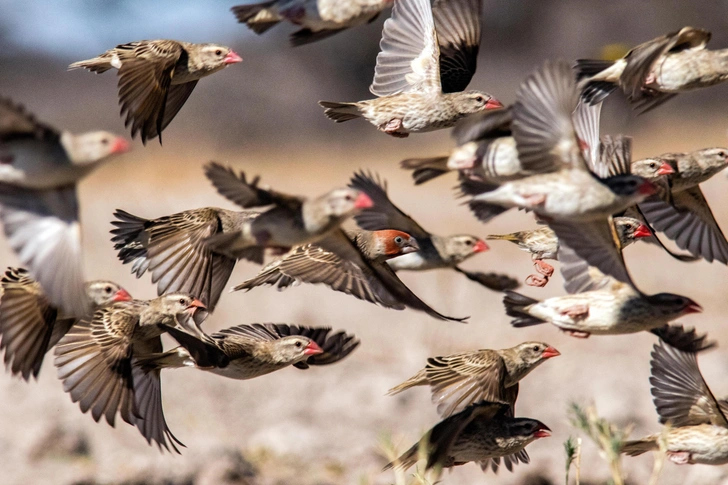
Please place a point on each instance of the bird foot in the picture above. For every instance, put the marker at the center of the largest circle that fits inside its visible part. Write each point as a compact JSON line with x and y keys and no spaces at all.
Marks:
{"x":392,"y":127}
{"x":576,"y":311}
{"x":576,"y":333}
{"x":537,"y":280}
{"x":544,"y":268}
{"x":679,"y":457}
{"x":650,"y":79}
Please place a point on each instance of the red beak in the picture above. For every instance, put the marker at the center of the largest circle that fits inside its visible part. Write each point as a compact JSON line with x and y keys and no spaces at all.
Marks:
{"x":550,"y":352}
{"x":312,"y":349}
{"x":196,"y":305}
{"x":232,"y":58}
{"x":647,"y":188}
{"x":665,"y":169}
{"x":480,"y":247}
{"x":693,"y":308}
{"x":542,"y":433}
{"x":363,"y":201}
{"x":122,"y":295}
{"x":642,"y":231}
{"x":493,"y":103}
{"x":120,"y":145}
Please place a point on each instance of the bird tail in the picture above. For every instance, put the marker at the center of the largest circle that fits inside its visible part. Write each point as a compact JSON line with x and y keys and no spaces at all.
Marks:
{"x":593,"y":91}
{"x":269,"y":275}
{"x":98,"y":64}
{"x":257,"y":16}
{"x":408,"y":459}
{"x":513,"y":237}
{"x":686,"y":340}
{"x":340,"y":112}
{"x":637,"y":447}
{"x":419,"y":379}
{"x":128,"y":240}
{"x":172,"y":359}
{"x":516,"y":304}
{"x":425,"y":169}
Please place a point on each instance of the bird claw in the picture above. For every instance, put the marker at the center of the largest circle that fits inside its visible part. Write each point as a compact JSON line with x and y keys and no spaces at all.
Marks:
{"x":392,"y":127}
{"x":537,"y":280}
{"x":679,"y":457}
{"x":650,"y":79}
{"x":544,"y":268}
{"x":576,"y":311}
{"x":576,"y":333}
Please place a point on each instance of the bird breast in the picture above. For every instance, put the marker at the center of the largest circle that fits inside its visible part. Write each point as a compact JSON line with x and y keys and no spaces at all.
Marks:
{"x":691,"y":69}
{"x":707,"y":444}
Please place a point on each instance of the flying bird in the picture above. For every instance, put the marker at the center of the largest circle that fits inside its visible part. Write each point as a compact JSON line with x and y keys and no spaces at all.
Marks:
{"x":156,"y":77}
{"x":428,"y":57}
{"x":657,"y":70}
{"x":318,"y":19}
{"x":39,"y":170}
{"x":483,"y":433}
{"x":249,"y":351}
{"x":30,"y":326}
{"x":698,"y":432}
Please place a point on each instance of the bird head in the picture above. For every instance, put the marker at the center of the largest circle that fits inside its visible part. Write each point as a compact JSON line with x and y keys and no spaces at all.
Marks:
{"x":104,"y":292}
{"x":390,"y":243}
{"x":92,"y":147}
{"x":345,"y":202}
{"x":522,"y":359}
{"x":711,"y":157}
{"x":213,"y":57}
{"x":652,"y":168}
{"x":469,"y":102}
{"x":462,"y":246}
{"x":525,"y":429}
{"x":182,"y":304}
{"x":295,"y":348}
{"x":629,"y":229}
{"x":674,"y":305}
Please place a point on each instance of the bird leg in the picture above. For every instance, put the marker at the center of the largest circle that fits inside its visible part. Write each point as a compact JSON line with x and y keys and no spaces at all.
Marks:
{"x":650,"y":79}
{"x":679,"y":457}
{"x":537,"y":280}
{"x":576,"y":311}
{"x":391,"y":127}
{"x":534,"y":200}
{"x":544,"y":268}
{"x":576,"y":333}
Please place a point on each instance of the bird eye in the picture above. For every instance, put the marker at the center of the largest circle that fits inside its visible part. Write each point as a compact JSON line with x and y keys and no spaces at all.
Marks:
{"x":298,"y":344}
{"x":218,"y":52}
{"x":104,"y":141}
{"x":398,"y":239}
{"x":182,"y":301}
{"x":479,"y":99}
{"x":653,"y":165}
{"x":468,"y":242}
{"x":108,"y":289}
{"x":535,"y":348}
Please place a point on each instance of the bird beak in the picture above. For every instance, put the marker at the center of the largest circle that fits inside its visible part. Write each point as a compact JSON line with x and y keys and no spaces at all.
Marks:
{"x":480,"y":247}
{"x":693,"y":308}
{"x":122,"y":295}
{"x":120,"y":145}
{"x":493,"y":103}
{"x":313,"y":349}
{"x":411,"y":247}
{"x":194,"y":306}
{"x":642,"y":231}
{"x":647,"y":188}
{"x":363,"y":201}
{"x":665,"y":169}
{"x":542,"y":433}
{"x":550,"y":352}
{"x":232,"y":58}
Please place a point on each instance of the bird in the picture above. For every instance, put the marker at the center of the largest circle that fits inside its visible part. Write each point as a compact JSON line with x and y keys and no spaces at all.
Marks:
{"x":362,"y":271}
{"x":657,"y":70}
{"x":483,"y":433}
{"x":95,"y":360}
{"x":698,"y":428}
{"x":249,"y":351}
{"x":466,"y":378}
{"x":195,"y":251}
{"x":435,"y":251}
{"x":39,"y":170}
{"x":156,"y":77}
{"x":428,"y":57}
{"x":575,"y":203}
{"x":542,"y":243}
{"x":681,"y":212}
{"x":318,"y":19}
{"x":30,"y":325}
{"x":601,"y":305}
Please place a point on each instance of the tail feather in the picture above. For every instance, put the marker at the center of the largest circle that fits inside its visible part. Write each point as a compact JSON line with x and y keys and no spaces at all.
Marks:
{"x":128,"y":240}
{"x":593,"y":91}
{"x":686,"y":340}
{"x":408,"y":459}
{"x":419,"y":379}
{"x":98,"y":65}
{"x":255,"y":16}
{"x":515,"y":304}
{"x":512,"y":237}
{"x":586,"y":68}
{"x":340,"y":112}
{"x":637,"y":447}
{"x":425,"y":169}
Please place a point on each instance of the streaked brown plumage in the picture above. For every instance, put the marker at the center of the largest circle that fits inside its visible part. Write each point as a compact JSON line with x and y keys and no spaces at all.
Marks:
{"x":95,"y":361}
{"x":156,"y":77}
{"x":483,"y":433}
{"x":428,"y":57}
{"x":698,"y":431}
{"x":361,"y":270}
{"x":249,"y":351}
{"x":30,"y":326}
{"x":466,"y":378}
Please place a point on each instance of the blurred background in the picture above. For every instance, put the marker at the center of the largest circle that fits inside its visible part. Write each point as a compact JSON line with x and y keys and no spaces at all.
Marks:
{"x":325,"y":425}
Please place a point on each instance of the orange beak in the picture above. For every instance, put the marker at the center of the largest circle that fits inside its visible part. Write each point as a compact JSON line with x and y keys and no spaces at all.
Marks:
{"x":642,"y":231}
{"x":120,"y":145}
{"x":363,"y":201}
{"x":232,"y":58}
{"x":665,"y":169}
{"x":195,"y":305}
{"x":312,"y":349}
{"x":480,"y":247}
{"x":550,"y":352}
{"x":122,"y":295}
{"x":493,"y":103}
{"x":542,"y":433}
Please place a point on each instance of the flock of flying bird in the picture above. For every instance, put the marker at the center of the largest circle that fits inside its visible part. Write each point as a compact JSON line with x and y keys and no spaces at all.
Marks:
{"x":543,"y":154}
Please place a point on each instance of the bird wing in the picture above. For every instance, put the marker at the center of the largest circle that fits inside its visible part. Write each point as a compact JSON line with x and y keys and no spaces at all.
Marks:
{"x":94,"y":361}
{"x":679,"y":391}
{"x":457,"y":23}
{"x":43,"y":229}
{"x":176,"y":97}
{"x":16,"y":122}
{"x":237,"y":189}
{"x":466,"y":378}
{"x":689,"y":222}
{"x":615,"y":156}
{"x":586,"y":118}
{"x":597,"y":243}
{"x":409,"y":57}
{"x":542,"y":120}
{"x":145,"y":77}
{"x":383,"y":214}
{"x":578,"y":275}
{"x":26,"y":323}
{"x":484,"y":125}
